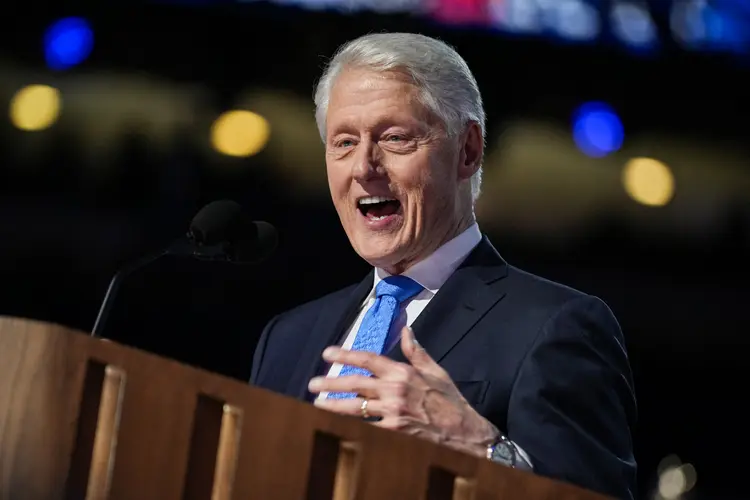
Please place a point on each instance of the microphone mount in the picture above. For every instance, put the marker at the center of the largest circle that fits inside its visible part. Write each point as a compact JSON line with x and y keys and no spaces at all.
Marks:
{"x":220,"y":232}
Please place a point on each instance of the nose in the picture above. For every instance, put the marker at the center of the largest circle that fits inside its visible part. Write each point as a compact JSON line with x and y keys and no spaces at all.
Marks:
{"x":367,"y":161}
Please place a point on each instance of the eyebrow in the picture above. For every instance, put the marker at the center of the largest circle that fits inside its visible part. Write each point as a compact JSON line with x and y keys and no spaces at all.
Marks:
{"x":381,"y":124}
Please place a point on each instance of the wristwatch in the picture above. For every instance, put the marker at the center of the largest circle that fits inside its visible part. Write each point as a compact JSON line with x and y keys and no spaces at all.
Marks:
{"x":501,"y":450}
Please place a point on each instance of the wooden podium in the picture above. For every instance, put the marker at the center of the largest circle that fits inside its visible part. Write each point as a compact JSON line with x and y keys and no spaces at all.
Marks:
{"x":84,"y":418}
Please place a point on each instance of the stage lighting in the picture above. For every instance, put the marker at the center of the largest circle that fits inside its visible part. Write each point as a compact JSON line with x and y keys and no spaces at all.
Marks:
{"x":240,"y":133}
{"x":35,"y":107}
{"x":648,"y":181}
{"x":597,"y":130}
{"x":68,"y":42}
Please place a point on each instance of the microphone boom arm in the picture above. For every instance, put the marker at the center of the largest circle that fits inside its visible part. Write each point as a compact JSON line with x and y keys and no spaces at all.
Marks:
{"x":117,"y":279}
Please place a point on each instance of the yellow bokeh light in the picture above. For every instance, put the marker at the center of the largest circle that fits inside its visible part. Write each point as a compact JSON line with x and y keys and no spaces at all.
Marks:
{"x":675,"y":481}
{"x":672,"y":483}
{"x":648,"y":181}
{"x":240,"y":133}
{"x":35,"y":107}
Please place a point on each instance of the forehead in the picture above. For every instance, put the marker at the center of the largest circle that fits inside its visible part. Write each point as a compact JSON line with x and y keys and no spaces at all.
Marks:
{"x":363,"y":98}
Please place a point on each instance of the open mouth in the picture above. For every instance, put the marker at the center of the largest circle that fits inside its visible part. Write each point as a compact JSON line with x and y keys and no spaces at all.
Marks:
{"x":378,"y":207}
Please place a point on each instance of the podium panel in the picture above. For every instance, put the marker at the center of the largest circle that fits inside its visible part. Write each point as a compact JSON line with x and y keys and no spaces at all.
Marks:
{"x":85,"y":418}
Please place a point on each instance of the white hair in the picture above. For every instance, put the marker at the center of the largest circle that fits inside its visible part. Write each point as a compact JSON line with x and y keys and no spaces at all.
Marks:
{"x":447,"y":86}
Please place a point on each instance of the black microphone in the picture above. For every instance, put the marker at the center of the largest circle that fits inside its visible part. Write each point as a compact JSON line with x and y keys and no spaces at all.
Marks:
{"x":221,"y":231}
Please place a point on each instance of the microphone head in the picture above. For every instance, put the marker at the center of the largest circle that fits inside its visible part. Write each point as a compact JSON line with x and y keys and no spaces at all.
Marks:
{"x":267,"y":240}
{"x":223,"y":231}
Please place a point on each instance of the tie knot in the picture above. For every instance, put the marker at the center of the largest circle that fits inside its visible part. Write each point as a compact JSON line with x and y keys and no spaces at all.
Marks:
{"x":399,"y":287}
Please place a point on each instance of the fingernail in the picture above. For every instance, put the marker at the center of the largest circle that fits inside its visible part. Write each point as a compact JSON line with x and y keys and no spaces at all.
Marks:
{"x":330,"y":352}
{"x":314,"y":384}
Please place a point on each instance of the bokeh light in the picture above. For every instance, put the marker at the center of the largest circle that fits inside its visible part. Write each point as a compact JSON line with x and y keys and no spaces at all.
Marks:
{"x":648,"y":181}
{"x":240,"y":133}
{"x":68,"y":42}
{"x":597,"y":130}
{"x":35,"y":107}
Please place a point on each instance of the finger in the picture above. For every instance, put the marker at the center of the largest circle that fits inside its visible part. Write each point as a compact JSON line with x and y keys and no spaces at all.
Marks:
{"x":416,"y":354}
{"x":380,"y":366}
{"x":358,"y":384}
{"x":409,"y":343}
{"x":351,"y":406}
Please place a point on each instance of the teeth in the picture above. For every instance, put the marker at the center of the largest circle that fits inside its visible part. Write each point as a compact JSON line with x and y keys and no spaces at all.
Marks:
{"x":378,"y":218}
{"x":371,"y":200}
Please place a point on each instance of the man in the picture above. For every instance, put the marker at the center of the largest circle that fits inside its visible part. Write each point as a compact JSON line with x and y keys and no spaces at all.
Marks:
{"x":444,"y":339}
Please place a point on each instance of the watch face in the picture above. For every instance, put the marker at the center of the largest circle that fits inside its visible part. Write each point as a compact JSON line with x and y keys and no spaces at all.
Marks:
{"x":504,"y":453}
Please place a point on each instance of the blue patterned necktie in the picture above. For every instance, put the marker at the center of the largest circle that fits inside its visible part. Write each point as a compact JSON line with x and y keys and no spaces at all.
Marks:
{"x":373,"y":332}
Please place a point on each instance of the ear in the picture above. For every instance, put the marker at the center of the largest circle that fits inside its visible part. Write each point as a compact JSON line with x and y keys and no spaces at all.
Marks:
{"x":472,"y":151}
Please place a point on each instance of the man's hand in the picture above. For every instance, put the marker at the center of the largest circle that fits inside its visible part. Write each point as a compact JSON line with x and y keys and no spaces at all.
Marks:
{"x":417,"y":398}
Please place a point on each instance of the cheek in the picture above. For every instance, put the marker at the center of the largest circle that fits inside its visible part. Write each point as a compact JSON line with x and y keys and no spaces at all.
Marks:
{"x":428,"y":182}
{"x":437,"y":192}
{"x":337,"y":183}
{"x":413,"y":177}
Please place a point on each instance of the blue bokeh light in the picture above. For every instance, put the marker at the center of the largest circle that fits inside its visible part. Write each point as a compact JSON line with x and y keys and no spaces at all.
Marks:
{"x":68,"y":42}
{"x":597,"y":130}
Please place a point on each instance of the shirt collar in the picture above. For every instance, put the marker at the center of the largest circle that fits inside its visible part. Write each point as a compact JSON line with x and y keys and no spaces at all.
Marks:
{"x":435,"y":270}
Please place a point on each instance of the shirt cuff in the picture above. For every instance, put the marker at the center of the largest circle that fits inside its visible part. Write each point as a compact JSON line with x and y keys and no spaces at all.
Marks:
{"x":523,"y":462}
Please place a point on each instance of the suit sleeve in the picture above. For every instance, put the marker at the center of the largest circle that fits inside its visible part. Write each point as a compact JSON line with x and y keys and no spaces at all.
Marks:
{"x":260,"y":351}
{"x":572,"y":407}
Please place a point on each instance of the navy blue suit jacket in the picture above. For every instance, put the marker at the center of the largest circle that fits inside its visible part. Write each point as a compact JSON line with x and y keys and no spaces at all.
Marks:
{"x":543,"y":362}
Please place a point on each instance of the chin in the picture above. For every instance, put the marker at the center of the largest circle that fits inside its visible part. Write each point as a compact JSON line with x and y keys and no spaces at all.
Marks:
{"x":378,"y":251}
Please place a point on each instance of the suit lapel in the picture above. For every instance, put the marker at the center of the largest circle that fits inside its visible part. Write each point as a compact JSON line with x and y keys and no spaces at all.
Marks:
{"x":330,"y":326}
{"x":460,"y":303}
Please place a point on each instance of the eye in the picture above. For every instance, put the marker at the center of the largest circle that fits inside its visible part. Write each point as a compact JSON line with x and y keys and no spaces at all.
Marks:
{"x":344,"y":143}
{"x":395,"y":138}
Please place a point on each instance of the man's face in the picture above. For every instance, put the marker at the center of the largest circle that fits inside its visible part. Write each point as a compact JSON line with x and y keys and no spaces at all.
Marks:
{"x":399,"y":184}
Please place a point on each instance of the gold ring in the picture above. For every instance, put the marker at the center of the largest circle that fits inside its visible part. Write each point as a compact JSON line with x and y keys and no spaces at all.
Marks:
{"x":363,"y":408}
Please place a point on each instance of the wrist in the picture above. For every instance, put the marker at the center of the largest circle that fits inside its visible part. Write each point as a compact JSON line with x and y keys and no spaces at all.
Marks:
{"x":475,"y":443}
{"x":488,"y":436}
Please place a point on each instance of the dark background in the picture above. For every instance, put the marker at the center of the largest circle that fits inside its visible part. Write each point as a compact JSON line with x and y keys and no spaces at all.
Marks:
{"x":679,"y":290}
